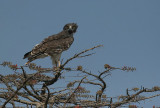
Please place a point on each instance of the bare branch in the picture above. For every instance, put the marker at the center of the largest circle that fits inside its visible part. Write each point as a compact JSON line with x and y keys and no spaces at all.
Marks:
{"x":74,"y":91}
{"x":46,"y":102}
{"x":24,"y":83}
{"x":77,"y":55}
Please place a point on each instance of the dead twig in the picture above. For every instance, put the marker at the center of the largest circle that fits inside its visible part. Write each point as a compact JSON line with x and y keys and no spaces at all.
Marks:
{"x":15,"y":93}
{"x":78,"y":55}
{"x":74,"y":91}
{"x":47,"y":99}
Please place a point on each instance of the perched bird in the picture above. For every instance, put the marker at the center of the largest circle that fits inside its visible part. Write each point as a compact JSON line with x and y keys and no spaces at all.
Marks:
{"x":53,"y":45}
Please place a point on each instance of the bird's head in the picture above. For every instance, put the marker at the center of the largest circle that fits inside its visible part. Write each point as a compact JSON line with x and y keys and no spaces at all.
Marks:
{"x":70,"y":28}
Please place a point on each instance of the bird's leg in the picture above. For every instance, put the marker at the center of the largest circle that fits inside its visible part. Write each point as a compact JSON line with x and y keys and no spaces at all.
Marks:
{"x":55,"y":66}
{"x":56,"y":63}
{"x":59,"y":63}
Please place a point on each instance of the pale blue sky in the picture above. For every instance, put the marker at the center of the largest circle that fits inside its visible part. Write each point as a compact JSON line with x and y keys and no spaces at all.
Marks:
{"x":128,"y":29}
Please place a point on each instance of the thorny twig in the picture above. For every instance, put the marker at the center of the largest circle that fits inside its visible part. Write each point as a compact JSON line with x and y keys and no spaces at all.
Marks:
{"x":77,"y":55}
{"x":24,"y":83}
{"x":74,"y":91}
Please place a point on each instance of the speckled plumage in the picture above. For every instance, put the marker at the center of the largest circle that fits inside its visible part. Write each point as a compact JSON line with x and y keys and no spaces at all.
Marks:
{"x":53,"y":45}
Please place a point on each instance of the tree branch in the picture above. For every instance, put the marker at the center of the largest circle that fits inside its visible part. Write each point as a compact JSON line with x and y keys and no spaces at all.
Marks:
{"x":77,"y":55}
{"x":74,"y":91}
{"x":46,"y":102}
{"x":24,"y":83}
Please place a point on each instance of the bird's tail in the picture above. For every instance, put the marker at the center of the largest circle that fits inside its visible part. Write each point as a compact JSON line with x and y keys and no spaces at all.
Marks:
{"x":27,"y":55}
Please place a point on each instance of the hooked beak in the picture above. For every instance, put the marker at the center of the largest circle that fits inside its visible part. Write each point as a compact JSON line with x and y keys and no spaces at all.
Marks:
{"x":70,"y":30}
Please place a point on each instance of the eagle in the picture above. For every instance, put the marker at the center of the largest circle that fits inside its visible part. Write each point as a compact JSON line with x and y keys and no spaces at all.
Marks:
{"x":53,"y":45}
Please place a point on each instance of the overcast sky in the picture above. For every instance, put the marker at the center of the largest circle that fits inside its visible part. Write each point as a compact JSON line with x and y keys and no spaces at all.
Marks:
{"x":128,"y":29}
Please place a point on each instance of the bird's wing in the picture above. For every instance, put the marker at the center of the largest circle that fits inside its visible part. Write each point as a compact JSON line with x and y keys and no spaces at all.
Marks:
{"x":45,"y":45}
{"x":54,"y":44}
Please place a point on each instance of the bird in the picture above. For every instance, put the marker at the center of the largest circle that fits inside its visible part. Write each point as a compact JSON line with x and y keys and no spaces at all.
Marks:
{"x":53,"y":45}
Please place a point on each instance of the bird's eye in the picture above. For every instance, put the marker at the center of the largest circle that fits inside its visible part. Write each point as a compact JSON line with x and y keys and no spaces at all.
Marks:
{"x":73,"y":27}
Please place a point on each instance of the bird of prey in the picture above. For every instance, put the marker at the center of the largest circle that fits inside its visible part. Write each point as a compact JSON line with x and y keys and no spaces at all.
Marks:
{"x":53,"y":45}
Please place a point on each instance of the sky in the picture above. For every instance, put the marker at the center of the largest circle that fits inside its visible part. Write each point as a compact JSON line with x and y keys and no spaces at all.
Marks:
{"x":129,"y":30}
